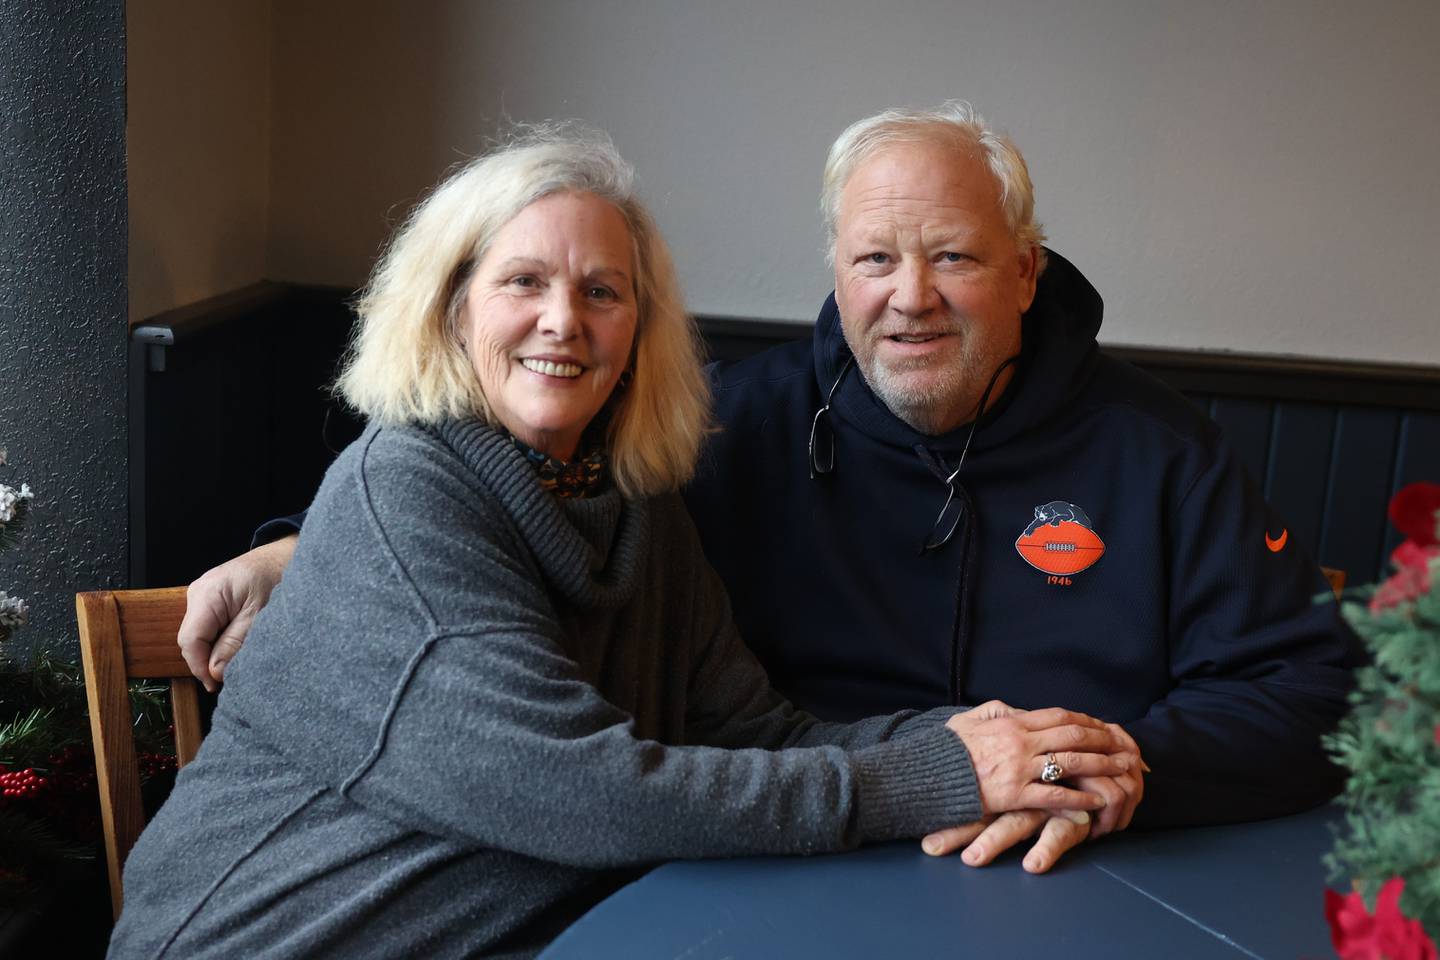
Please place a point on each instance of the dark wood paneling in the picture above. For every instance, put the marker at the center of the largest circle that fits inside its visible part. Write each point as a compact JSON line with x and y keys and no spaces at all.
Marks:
{"x":1417,"y":459}
{"x":1247,"y":429}
{"x":727,"y":338}
{"x":1204,"y":401}
{"x":1329,"y":441}
{"x":1298,"y":476}
{"x":1361,"y":467}
{"x":1360,"y":384}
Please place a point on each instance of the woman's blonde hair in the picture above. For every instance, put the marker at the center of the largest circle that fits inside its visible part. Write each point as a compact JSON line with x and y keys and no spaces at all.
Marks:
{"x":407,"y":364}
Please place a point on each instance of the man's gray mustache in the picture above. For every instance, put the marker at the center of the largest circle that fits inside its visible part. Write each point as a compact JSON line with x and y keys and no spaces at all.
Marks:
{"x":952,"y":330}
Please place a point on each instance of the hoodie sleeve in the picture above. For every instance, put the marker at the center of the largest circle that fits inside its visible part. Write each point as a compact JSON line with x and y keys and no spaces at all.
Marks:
{"x":272,"y":530}
{"x":1260,"y":659}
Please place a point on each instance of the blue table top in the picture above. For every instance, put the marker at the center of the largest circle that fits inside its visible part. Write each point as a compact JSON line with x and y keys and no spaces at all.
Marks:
{"x":1250,"y":890}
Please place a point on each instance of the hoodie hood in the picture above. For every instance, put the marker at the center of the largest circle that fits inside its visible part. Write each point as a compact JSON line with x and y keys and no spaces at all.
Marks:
{"x":1057,"y":358}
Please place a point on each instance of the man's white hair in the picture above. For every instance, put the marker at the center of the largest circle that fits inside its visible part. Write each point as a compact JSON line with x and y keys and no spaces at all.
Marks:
{"x":954,"y":122}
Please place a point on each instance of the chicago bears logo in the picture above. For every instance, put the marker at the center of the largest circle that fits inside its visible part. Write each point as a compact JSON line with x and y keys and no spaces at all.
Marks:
{"x":1060,"y":540}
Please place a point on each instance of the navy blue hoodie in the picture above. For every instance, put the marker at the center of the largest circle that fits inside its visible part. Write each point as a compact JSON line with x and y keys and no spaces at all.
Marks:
{"x":1113,"y":557}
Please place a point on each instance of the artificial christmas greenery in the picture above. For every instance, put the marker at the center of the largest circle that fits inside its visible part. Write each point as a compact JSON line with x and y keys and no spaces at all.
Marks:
{"x":14,"y":504}
{"x":49,"y":807}
{"x":1390,"y":743}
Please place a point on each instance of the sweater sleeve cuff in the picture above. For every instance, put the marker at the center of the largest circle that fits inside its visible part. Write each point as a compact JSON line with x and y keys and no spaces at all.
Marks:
{"x":916,"y":785}
{"x":921,"y":723}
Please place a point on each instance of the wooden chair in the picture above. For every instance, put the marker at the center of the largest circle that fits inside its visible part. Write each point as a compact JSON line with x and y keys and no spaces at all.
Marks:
{"x":1336,"y":579}
{"x":130,"y":635}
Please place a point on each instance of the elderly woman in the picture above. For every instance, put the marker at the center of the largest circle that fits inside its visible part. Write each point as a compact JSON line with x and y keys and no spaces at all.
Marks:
{"x":498,"y":675}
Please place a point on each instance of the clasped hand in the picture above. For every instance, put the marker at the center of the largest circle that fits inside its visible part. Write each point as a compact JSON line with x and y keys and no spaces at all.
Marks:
{"x":1009,"y":749}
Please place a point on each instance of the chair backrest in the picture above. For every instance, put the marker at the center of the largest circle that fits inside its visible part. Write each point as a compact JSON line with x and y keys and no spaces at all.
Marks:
{"x":130,"y":635}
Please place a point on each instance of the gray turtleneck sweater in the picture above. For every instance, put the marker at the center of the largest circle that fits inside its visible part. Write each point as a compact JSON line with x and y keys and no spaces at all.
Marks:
{"x":471,"y":710}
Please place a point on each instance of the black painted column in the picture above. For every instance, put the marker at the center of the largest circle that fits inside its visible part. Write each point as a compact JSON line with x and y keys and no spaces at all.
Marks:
{"x":63,"y":303}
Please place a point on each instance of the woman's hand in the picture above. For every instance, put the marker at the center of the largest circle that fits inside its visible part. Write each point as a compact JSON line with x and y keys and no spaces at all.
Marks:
{"x":1009,"y":749}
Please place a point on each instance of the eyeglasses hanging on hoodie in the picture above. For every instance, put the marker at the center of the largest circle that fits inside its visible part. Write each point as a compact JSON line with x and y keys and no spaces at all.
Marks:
{"x":822,"y":455}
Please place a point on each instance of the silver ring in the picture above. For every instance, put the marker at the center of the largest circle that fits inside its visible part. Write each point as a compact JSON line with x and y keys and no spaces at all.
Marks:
{"x":1052,"y":771}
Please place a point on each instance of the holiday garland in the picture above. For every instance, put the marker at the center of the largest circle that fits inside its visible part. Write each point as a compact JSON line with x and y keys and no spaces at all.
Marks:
{"x":1390,"y":744}
{"x":49,"y":807}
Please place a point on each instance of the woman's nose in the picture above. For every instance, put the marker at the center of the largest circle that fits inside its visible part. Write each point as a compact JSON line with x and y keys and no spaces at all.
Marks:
{"x":561,"y":316}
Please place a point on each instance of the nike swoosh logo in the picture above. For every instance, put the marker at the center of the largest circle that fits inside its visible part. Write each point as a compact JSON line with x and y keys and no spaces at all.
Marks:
{"x":1278,"y":543}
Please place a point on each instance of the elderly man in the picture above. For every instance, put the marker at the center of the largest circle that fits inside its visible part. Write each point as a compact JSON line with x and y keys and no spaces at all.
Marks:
{"x":951,"y":496}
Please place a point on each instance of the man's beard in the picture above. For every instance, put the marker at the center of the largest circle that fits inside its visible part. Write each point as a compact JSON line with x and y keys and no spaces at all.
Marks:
{"x":937,"y":403}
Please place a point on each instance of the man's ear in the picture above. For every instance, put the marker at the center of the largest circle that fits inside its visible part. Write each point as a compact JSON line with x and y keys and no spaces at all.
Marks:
{"x":1028,"y":264}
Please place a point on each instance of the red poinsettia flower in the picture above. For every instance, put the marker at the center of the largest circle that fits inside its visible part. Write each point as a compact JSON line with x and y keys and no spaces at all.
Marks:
{"x":1411,"y":579}
{"x":1387,"y":935}
{"x":1413,"y":511}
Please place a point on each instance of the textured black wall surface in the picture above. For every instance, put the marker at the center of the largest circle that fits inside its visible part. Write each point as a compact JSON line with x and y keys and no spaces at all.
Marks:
{"x":63,"y":303}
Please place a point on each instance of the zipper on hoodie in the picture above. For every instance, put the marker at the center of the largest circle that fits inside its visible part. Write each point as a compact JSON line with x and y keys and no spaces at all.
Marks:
{"x":963,"y":546}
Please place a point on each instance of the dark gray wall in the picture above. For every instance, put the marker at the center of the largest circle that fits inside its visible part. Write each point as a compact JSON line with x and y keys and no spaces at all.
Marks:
{"x":63,"y":303}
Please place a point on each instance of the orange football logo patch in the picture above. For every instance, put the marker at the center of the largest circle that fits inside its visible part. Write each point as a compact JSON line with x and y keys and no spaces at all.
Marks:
{"x":1059,"y":541}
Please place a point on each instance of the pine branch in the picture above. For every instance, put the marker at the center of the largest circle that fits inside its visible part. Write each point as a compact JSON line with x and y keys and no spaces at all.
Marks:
{"x":44,"y":710}
{"x":1390,"y":744}
{"x":30,"y":853}
{"x":28,"y":740}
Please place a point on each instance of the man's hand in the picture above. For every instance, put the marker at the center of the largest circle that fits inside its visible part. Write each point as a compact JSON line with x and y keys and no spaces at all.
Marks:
{"x":222,"y":603}
{"x":987,"y":839}
{"x":1009,"y":748}
{"x":1122,"y":793}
